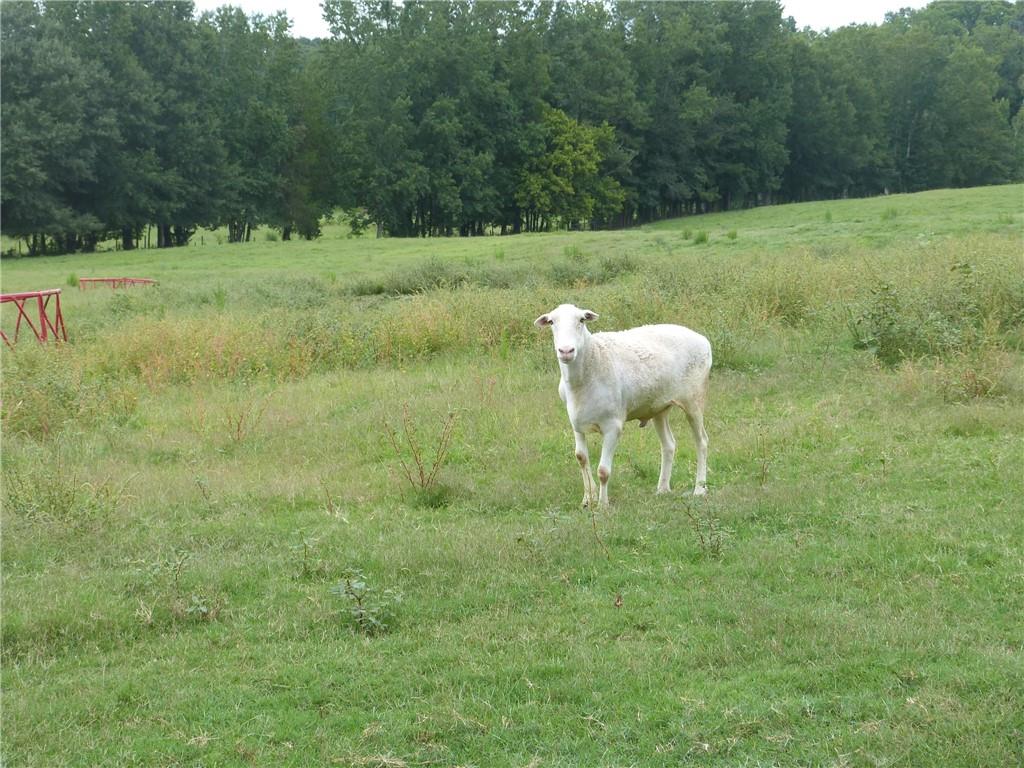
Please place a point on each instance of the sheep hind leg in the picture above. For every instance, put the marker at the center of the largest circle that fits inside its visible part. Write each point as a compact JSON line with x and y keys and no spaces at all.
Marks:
{"x":583,"y":457}
{"x":668,"y":451}
{"x":695,"y":415}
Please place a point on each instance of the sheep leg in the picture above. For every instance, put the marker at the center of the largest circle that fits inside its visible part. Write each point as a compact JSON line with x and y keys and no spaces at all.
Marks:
{"x":583,"y":457}
{"x":604,"y":469}
{"x":668,"y":451}
{"x":696,"y":418}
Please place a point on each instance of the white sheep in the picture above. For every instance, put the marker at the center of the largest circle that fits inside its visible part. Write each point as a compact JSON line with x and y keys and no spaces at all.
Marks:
{"x":614,"y":377}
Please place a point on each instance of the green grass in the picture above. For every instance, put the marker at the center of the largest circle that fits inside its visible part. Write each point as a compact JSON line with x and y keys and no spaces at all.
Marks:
{"x":186,"y":481}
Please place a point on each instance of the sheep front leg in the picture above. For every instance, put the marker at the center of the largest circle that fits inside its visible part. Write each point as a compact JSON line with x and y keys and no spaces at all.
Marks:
{"x":604,"y":469}
{"x":583,"y":457}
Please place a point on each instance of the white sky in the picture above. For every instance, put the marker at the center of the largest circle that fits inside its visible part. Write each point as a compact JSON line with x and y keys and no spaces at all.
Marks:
{"x":818,"y":14}
{"x":832,"y":14}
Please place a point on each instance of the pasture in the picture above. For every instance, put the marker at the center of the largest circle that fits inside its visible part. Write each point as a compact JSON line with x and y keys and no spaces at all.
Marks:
{"x":212,"y":554}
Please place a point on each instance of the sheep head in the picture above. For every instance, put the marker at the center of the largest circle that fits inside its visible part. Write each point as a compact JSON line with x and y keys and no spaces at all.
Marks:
{"x":569,"y":329}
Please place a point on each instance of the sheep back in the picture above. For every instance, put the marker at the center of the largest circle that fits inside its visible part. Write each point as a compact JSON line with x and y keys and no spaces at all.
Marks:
{"x":653,"y":365}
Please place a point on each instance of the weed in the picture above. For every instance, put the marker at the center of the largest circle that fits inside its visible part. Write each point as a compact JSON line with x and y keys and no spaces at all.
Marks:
{"x":614,"y":265}
{"x":46,"y":389}
{"x":72,"y":280}
{"x":568,"y":274}
{"x":577,"y":270}
{"x":371,"y":614}
{"x":55,"y":493}
{"x":731,"y":234}
{"x":890,"y":213}
{"x":981,"y":372}
{"x":711,"y":534}
{"x":204,"y":491}
{"x":884,"y":328}
{"x":200,"y":607}
{"x":419,"y":477}
{"x":828,"y":216}
{"x":310,"y":566}
{"x":575,"y":254}
{"x":436,"y":496}
{"x":240,"y":419}
{"x":163,"y":573}
{"x":271,"y":236}
{"x":429,"y":275}
{"x":764,"y":456}
{"x":700,"y":238}
{"x":330,"y":505}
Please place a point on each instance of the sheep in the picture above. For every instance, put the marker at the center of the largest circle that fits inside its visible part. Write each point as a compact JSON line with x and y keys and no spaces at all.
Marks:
{"x":610,"y":378}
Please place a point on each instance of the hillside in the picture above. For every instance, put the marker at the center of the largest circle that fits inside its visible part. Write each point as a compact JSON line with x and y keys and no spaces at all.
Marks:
{"x":212,"y":553}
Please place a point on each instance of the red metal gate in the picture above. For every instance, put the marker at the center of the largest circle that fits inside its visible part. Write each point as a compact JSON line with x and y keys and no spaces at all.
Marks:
{"x":45,"y":327}
{"x":114,"y":282}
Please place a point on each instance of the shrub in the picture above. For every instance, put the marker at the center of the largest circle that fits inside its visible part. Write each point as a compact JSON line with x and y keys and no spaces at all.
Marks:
{"x":429,"y":275}
{"x":577,"y":270}
{"x":371,"y":614}
{"x":613,"y":266}
{"x":568,"y":273}
{"x":942,"y":314}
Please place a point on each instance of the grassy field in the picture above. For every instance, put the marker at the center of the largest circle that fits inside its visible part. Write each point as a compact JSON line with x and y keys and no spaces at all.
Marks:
{"x":212,"y":555}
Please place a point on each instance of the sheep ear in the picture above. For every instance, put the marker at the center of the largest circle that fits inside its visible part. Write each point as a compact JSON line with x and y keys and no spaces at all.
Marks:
{"x":541,"y":321}
{"x":588,"y":315}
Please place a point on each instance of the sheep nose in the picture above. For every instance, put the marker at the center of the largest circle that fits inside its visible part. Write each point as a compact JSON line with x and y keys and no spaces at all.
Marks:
{"x":566,"y":351}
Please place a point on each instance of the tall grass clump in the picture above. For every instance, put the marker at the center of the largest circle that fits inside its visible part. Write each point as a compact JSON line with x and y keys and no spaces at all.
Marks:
{"x":46,"y":388}
{"x":577,"y":269}
{"x":429,"y":275}
{"x":941,"y":313}
{"x":53,"y":491}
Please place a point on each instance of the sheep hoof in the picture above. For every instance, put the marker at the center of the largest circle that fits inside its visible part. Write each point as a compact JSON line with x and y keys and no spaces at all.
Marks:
{"x":700,"y":490}
{"x":662,"y":490}
{"x":643,"y":423}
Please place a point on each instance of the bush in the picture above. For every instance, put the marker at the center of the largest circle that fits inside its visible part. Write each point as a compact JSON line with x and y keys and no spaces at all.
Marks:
{"x":429,"y":275}
{"x":371,"y":614}
{"x":577,"y":270}
{"x":941,"y":315}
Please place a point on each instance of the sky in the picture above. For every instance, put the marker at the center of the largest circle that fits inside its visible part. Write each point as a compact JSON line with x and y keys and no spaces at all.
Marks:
{"x":817,"y":14}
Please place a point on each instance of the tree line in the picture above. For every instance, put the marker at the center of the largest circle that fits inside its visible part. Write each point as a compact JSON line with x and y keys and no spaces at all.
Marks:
{"x":443,"y":118}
